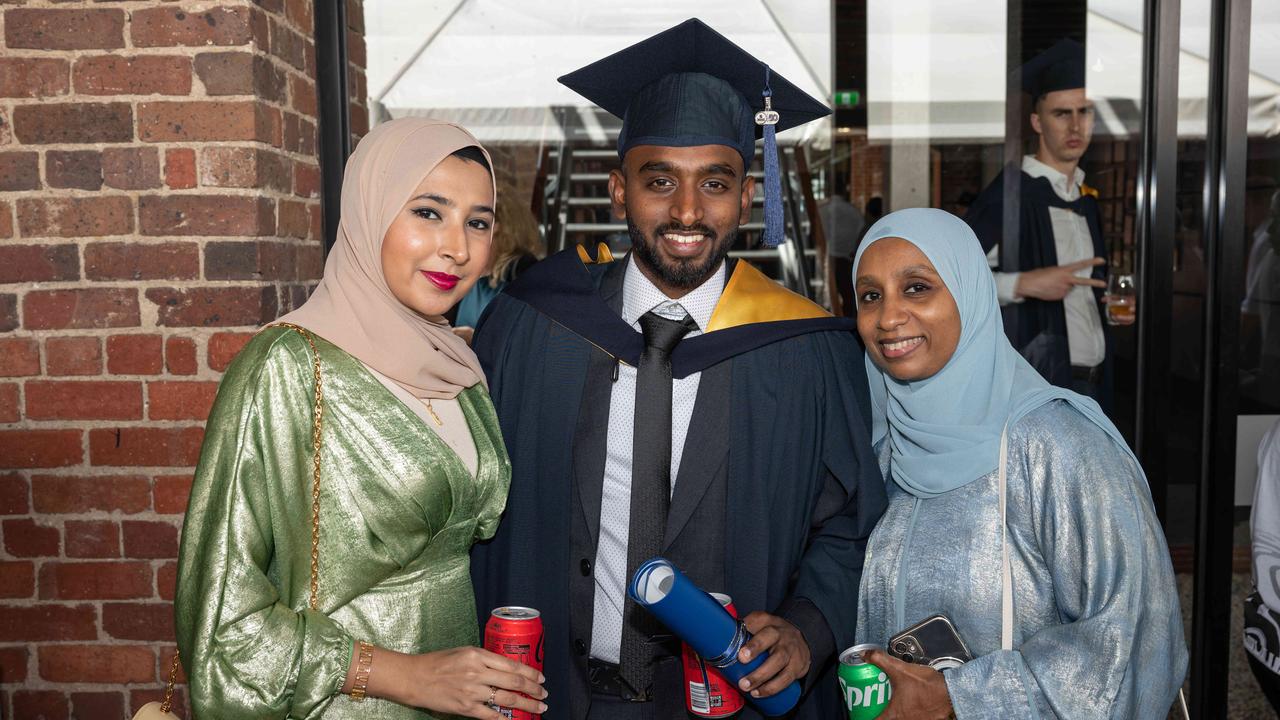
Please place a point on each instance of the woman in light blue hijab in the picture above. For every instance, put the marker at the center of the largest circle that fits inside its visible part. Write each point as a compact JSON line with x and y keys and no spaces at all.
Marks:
{"x":1092,"y":627}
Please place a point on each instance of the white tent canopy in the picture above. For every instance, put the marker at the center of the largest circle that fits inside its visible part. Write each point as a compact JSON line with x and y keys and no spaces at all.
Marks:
{"x":492,"y":64}
{"x":936,"y":69}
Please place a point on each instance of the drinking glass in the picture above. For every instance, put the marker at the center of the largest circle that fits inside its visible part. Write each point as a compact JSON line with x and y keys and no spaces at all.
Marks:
{"x":1122,"y":300}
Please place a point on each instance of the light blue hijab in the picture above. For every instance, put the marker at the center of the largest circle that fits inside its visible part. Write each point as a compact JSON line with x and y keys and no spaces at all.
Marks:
{"x":944,"y":431}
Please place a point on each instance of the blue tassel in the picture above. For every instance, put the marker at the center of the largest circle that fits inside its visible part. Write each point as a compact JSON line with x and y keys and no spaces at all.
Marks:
{"x":773,"y":229}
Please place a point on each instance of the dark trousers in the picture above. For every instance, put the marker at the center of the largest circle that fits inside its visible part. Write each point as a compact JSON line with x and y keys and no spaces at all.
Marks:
{"x":612,"y":707}
{"x":1088,"y":389}
{"x":1262,"y":647}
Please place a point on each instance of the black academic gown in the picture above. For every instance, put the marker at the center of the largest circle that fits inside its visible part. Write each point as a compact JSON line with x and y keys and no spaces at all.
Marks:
{"x":1037,"y":328}
{"x":781,"y":421}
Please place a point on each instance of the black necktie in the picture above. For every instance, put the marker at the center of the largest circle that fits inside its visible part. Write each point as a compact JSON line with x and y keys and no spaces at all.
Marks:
{"x":650,"y":486}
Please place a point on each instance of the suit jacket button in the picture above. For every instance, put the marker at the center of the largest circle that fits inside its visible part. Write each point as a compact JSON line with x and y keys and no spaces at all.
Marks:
{"x":580,"y":647}
{"x":585,"y":567}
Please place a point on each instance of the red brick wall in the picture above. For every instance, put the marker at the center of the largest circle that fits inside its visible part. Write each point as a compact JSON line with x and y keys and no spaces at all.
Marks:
{"x":159,"y":200}
{"x":867,"y":165}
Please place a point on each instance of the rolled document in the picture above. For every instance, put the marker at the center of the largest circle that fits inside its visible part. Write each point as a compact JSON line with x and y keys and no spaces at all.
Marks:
{"x":700,"y":620}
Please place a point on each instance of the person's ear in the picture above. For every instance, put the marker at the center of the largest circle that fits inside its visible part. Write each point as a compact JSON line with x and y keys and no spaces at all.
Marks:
{"x":618,"y":194}
{"x":748,"y":194}
{"x":1035,"y":122}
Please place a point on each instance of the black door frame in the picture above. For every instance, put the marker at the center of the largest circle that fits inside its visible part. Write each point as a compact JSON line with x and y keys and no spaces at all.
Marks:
{"x":1224,"y":237}
{"x":1224,"y":232}
{"x":334,"y":121}
{"x":1157,"y":213}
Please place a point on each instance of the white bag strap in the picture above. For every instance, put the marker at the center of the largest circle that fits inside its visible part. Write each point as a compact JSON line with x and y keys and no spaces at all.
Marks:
{"x":1006,"y":577}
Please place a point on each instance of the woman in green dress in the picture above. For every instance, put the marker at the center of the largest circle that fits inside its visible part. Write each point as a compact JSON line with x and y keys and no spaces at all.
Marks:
{"x":412,"y":470}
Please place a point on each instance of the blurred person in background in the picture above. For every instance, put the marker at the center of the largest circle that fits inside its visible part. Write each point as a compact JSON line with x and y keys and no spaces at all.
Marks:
{"x":842,"y":226}
{"x":517,"y":245}
{"x":1052,"y":300}
{"x":1262,"y":607}
{"x":1260,"y":311}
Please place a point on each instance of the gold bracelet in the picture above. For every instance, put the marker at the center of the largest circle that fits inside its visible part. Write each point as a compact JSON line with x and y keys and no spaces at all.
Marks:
{"x":364,"y":667}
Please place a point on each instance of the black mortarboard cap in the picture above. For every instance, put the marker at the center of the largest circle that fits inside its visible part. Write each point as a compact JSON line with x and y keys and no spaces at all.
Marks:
{"x":690,"y":85}
{"x":1061,"y":67}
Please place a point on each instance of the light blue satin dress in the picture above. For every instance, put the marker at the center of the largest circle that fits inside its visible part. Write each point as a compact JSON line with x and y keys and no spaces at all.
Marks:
{"x":1097,"y":624}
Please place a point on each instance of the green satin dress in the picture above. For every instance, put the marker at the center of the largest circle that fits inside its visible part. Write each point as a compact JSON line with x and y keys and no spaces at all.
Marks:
{"x":398,"y":515}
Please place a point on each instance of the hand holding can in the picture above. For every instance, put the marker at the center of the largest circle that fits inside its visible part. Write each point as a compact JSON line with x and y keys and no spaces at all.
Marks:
{"x":707,"y":692}
{"x":864,"y":687}
{"x":890,"y":689}
{"x":516,"y":633}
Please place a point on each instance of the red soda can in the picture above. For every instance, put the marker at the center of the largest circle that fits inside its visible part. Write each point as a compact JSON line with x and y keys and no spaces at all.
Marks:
{"x":706,"y":692}
{"x":516,"y":633}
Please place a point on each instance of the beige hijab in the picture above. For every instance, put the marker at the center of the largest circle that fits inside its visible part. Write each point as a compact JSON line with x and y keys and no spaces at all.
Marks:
{"x":353,"y":307}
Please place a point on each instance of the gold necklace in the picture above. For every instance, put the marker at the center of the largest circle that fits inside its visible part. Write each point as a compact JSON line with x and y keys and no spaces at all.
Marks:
{"x":434,"y":416}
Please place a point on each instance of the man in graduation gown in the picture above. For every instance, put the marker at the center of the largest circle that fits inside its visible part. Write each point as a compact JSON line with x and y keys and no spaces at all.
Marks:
{"x":676,"y":403}
{"x":1050,"y":277}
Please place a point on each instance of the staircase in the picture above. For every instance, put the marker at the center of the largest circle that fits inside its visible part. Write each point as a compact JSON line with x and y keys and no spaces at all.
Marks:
{"x":571,"y":200}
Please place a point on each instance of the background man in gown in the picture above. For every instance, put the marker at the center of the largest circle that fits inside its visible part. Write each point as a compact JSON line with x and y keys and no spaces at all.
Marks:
{"x":1051,"y":294}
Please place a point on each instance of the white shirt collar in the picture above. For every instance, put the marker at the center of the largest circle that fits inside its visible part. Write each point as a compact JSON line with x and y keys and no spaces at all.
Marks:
{"x":639,"y":296}
{"x":1065,"y":190}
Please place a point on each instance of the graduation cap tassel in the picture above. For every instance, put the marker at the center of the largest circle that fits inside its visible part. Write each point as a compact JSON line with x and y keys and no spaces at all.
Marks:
{"x":767,"y":119}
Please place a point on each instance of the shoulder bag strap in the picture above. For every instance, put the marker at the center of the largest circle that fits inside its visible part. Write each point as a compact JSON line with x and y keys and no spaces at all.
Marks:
{"x":316,"y":427}
{"x":317,"y":416}
{"x":1006,"y":577}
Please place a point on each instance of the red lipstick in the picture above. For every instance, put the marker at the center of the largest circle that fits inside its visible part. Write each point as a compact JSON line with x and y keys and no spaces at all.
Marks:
{"x":444,"y":281}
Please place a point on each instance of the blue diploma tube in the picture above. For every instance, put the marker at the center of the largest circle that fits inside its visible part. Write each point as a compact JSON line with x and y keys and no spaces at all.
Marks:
{"x":700,"y":620}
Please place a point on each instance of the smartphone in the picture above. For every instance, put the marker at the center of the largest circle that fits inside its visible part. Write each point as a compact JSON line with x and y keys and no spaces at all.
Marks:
{"x":933,"y":641}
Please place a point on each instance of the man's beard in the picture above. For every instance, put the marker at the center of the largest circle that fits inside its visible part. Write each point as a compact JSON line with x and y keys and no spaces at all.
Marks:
{"x":682,"y":274}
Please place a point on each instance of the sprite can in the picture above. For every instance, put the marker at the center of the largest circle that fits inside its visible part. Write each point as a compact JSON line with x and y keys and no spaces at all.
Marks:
{"x":864,"y":688}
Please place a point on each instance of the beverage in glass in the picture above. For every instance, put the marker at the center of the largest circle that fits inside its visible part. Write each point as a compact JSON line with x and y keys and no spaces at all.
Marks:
{"x":1122,"y":300}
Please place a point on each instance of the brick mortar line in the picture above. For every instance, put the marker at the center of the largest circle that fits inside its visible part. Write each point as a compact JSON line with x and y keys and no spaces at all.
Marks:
{"x":150,"y":514}
{"x":201,"y":336}
{"x":156,"y":564}
{"x":70,"y":473}
{"x":124,"y":424}
{"x":162,"y":146}
{"x":144,"y":241}
{"x":73,"y":97}
{"x":195,"y":333}
{"x":58,"y":193}
{"x":198,"y":191}
{"x":54,"y":194}
{"x":144,"y":285}
{"x":17,"y":145}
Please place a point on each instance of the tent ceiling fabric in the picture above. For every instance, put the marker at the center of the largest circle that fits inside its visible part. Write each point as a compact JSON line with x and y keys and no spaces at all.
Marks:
{"x":494,"y":63}
{"x":936,"y":69}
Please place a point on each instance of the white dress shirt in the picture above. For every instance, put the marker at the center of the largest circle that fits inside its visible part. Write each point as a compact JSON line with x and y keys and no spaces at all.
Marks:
{"x":639,"y":296}
{"x":1071,"y":238}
